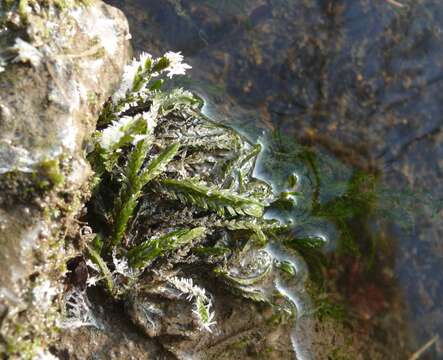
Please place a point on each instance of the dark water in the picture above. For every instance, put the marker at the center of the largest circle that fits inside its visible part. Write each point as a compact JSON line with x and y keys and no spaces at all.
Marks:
{"x":347,"y":95}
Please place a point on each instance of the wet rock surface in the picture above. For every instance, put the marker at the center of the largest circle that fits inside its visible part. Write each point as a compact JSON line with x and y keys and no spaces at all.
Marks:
{"x":114,"y":337}
{"x":58,"y":67}
{"x":245,"y":330}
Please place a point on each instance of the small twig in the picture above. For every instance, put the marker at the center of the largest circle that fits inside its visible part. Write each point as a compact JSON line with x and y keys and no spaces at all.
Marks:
{"x":425,"y":347}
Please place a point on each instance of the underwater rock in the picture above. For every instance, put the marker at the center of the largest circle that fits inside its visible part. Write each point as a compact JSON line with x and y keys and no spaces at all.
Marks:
{"x":58,"y":65}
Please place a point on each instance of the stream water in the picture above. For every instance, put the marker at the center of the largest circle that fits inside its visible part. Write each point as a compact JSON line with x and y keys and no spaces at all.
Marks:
{"x":347,"y":98}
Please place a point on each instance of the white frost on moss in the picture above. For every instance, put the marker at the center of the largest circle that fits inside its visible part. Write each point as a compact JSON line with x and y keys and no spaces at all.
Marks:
{"x":26,"y":53}
{"x":93,"y":279}
{"x":187,"y":287}
{"x":202,"y":309}
{"x":176,"y":64}
{"x":151,"y":121}
{"x":78,"y":311}
{"x":92,"y":265}
{"x":129,"y":73}
{"x":112,"y":134}
{"x":202,"y":303}
{"x":122,"y":267}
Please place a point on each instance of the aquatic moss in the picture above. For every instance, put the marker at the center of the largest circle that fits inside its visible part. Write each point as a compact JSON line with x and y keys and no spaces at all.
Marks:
{"x":172,"y":187}
{"x":154,"y":141}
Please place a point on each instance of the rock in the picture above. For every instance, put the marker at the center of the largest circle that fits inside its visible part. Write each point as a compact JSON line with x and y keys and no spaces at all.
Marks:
{"x":59,"y":66}
{"x":117,"y":338}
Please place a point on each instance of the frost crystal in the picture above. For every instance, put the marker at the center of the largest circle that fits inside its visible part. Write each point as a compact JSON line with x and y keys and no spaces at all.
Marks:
{"x":112,"y":134}
{"x":129,"y":74}
{"x":202,"y":302}
{"x":203,"y":312}
{"x":122,"y":266}
{"x":78,"y":310}
{"x":26,"y":53}
{"x":137,"y":138}
{"x":92,"y":281}
{"x":93,"y":266}
{"x":151,"y":116}
{"x":43,"y":294}
{"x":144,"y":56}
{"x":141,"y":66}
{"x":187,"y":287}
{"x":176,"y":64}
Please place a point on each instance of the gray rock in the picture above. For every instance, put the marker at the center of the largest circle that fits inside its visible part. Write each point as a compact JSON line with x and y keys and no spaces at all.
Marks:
{"x":59,"y":66}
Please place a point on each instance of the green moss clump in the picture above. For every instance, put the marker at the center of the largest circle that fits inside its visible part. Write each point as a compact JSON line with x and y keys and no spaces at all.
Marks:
{"x":50,"y":170}
{"x":173,"y":187}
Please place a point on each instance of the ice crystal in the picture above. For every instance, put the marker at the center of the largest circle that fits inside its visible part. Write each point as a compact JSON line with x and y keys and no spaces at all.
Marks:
{"x":122,"y":267}
{"x":78,"y":311}
{"x":187,"y":287}
{"x":141,"y":67}
{"x":176,"y":64}
{"x":93,"y":266}
{"x":204,"y":313}
{"x":138,"y":137}
{"x":92,"y":280}
{"x":202,"y":302}
{"x":129,"y":73}
{"x":112,"y":134}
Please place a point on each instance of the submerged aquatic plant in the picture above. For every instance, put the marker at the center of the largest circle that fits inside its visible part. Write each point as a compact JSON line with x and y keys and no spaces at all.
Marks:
{"x":332,"y":192}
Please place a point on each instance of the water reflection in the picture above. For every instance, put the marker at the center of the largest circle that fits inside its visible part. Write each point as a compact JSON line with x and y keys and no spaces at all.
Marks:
{"x":349,"y":94}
